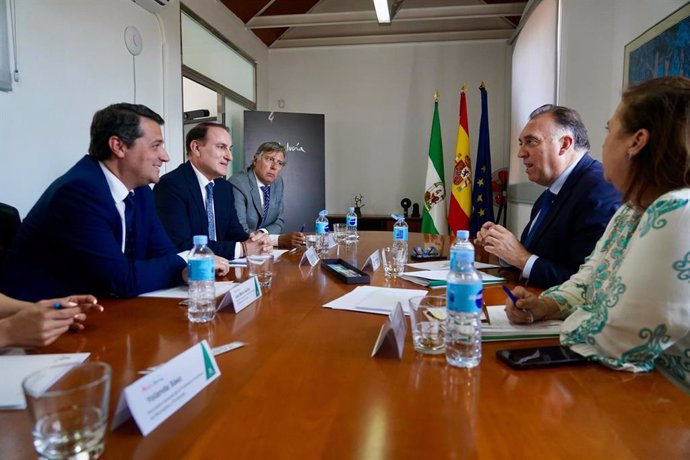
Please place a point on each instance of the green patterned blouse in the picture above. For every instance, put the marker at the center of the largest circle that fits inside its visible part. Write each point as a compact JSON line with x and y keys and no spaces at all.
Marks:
{"x":629,"y":303}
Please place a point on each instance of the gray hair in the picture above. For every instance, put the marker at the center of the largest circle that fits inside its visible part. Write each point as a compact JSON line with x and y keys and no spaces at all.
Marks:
{"x":567,"y":119}
{"x":270,"y":146}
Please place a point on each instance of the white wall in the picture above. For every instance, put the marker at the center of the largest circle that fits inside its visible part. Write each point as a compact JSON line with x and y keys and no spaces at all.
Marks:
{"x":73,"y":61}
{"x":595,"y":33}
{"x":378,"y":104}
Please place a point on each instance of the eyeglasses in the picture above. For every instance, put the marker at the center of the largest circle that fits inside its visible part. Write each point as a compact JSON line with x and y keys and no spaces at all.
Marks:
{"x":273,"y":162}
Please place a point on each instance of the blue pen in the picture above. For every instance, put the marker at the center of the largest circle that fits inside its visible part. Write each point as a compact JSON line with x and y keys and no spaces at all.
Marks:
{"x":301,"y":230}
{"x":510,"y":294}
{"x":57,"y":306}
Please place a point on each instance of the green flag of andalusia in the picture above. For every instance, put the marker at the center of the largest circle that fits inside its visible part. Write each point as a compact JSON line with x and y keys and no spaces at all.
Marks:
{"x":434,"y":216}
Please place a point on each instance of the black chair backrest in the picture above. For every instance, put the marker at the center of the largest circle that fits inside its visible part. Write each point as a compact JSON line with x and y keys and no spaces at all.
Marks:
{"x":9,"y":224}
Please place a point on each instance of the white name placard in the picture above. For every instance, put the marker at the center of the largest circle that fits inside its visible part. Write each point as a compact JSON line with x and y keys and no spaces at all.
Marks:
{"x":373,"y":262}
{"x":156,"y":396}
{"x":310,"y":256}
{"x":391,"y":338}
{"x":240,"y":296}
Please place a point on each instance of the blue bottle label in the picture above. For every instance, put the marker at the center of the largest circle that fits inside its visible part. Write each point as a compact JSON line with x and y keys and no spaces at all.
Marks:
{"x":465,"y":298}
{"x":321,"y":228}
{"x":352,"y":221}
{"x":400,"y":233}
{"x":201,"y":270}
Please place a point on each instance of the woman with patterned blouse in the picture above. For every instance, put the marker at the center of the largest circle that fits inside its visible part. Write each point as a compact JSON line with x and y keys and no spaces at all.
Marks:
{"x":630,"y":301}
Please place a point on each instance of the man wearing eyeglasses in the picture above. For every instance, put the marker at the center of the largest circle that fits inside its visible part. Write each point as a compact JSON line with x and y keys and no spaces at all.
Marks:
{"x":195,"y":198}
{"x":259,"y":196}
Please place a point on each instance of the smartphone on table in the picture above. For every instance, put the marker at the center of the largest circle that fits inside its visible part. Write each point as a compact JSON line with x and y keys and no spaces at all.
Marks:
{"x":540,"y":357}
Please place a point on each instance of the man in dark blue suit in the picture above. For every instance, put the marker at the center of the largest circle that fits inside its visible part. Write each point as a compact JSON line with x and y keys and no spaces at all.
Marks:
{"x":95,"y":228}
{"x":182,"y":197}
{"x":571,"y":215}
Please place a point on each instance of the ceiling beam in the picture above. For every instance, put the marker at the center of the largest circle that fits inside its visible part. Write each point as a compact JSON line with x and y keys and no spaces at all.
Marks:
{"x":403,"y":15}
{"x":501,"y":34}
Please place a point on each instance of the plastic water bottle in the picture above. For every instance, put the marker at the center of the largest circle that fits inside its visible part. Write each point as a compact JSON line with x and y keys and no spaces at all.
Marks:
{"x":351,"y":227}
{"x":400,"y":230}
{"x":201,"y":276}
{"x":464,"y":301}
{"x":462,"y":240}
{"x":322,"y":233}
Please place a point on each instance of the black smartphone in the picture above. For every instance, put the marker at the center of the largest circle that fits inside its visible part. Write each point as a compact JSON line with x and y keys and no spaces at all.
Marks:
{"x":535,"y":358}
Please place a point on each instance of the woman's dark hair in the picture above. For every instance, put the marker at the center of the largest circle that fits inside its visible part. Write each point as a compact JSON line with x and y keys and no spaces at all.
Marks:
{"x":662,"y":107}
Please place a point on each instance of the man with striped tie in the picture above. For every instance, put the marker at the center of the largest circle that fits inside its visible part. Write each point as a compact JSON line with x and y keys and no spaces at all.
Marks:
{"x":259,"y":196}
{"x":195,"y":198}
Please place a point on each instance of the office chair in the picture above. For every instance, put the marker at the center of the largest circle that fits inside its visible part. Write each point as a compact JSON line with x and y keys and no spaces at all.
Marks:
{"x":9,"y":224}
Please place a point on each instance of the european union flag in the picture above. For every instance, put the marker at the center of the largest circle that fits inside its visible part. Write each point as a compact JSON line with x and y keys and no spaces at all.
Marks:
{"x":482,"y":196}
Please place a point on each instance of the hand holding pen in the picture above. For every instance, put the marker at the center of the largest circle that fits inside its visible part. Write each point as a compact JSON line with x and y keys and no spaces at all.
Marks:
{"x":523,"y":307}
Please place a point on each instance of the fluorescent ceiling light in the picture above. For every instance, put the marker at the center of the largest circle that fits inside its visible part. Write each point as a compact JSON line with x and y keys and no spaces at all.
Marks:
{"x":383,"y":15}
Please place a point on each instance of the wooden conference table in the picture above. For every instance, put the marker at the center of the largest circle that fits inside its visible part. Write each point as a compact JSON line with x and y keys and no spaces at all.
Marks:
{"x":306,"y":387}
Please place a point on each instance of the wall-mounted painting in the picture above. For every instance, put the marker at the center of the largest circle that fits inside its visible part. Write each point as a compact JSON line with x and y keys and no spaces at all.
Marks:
{"x":662,"y":50}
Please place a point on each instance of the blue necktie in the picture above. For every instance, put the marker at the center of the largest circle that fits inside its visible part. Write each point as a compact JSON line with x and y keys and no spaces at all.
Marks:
{"x":210,"y":214}
{"x":547,"y":201}
{"x":130,"y":228}
{"x":266,"y":190}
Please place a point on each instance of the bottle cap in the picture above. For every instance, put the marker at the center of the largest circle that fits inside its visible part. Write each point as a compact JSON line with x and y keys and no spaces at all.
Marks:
{"x":463,"y":234}
{"x":351,"y":209}
{"x":398,"y":216}
{"x":200,"y":239}
{"x":323,"y":213}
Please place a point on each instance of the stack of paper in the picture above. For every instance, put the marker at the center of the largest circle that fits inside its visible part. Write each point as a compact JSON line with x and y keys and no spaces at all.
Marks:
{"x":371,"y":299}
{"x":502,"y":329}
{"x":437,"y":278}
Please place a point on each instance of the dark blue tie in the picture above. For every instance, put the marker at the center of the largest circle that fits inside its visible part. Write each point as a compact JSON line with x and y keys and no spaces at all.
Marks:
{"x":266,"y":190}
{"x":548,"y":199}
{"x":210,"y":214}
{"x":130,"y":227}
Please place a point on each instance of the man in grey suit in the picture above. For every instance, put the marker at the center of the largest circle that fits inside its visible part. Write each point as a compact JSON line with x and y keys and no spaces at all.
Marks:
{"x":259,"y":196}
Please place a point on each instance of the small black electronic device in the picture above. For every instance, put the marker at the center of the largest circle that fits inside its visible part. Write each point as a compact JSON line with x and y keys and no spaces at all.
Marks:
{"x":535,"y":358}
{"x":429,"y":253}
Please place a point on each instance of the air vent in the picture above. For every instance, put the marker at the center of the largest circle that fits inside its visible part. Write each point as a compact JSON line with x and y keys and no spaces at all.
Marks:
{"x":154,"y":6}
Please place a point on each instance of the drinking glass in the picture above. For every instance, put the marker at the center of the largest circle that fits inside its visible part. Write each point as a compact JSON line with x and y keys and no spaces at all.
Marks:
{"x":427,"y":318}
{"x":68,"y":405}
{"x":261,"y":266}
{"x":340,"y":231}
{"x":394,"y":259}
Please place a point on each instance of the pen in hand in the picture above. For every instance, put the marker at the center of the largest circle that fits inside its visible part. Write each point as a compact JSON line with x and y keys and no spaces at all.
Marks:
{"x":510,"y":294}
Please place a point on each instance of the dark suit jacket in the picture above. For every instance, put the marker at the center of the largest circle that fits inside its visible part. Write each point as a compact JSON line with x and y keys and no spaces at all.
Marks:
{"x":180,"y":208}
{"x":248,"y":203}
{"x":71,"y":243}
{"x":573,"y":225}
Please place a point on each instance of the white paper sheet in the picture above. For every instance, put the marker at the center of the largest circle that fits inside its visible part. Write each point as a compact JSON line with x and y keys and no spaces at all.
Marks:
{"x":242,"y":261}
{"x":445,"y":265}
{"x":378,"y":300}
{"x":15,"y":368}
{"x":180,"y":292}
{"x":442,"y":275}
{"x":502,"y":329}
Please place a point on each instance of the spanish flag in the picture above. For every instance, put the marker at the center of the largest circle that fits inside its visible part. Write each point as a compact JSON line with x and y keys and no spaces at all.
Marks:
{"x":461,"y":189}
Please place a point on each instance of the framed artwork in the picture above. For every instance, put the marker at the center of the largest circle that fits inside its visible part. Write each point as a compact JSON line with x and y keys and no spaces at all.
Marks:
{"x":662,"y":50}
